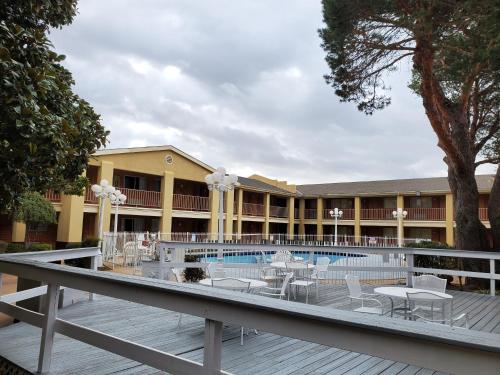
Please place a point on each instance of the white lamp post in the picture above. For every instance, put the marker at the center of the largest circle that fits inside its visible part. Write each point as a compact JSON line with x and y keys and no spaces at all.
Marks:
{"x":116,"y":198}
{"x":221,"y":182}
{"x":336,"y":214}
{"x":400,"y":215}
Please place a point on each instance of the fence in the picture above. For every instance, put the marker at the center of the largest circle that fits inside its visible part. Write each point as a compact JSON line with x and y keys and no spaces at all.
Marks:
{"x":439,"y":348}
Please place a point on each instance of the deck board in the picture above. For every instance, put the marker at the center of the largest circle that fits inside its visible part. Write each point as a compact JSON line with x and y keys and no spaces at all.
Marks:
{"x":262,"y":353}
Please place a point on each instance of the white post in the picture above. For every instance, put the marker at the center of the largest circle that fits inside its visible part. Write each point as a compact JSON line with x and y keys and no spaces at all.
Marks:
{"x":335,"y":243}
{"x":115,"y":235}
{"x":48,"y":328}
{"x":101,"y":214}
{"x":409,"y":274}
{"x":400,"y":231}
{"x":212,"y":352}
{"x":492,"y":279}
{"x":220,"y":253}
{"x":93,"y":266}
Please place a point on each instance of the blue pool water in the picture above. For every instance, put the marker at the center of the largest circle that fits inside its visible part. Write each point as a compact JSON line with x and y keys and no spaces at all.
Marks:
{"x":253,"y":258}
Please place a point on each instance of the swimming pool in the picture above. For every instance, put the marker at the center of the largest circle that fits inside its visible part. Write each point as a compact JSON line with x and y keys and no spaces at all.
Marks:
{"x":255,"y":258}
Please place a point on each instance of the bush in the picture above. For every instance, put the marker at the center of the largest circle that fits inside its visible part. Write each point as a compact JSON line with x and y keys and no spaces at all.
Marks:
{"x":90,"y":242}
{"x":40,"y":247}
{"x":3,"y":246}
{"x":193,"y":274}
{"x":433,"y":261}
{"x":15,"y":247}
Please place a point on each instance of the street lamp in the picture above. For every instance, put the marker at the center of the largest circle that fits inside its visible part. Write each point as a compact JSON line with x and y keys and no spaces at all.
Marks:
{"x":336,"y":214}
{"x":116,"y":198}
{"x":400,"y":215}
{"x":221,"y":182}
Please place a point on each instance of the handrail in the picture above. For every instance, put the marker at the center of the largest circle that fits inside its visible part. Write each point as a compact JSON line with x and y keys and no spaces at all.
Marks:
{"x":416,"y":343}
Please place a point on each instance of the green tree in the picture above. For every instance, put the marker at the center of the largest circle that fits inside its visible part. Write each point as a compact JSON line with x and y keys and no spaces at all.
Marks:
{"x":47,"y":132}
{"x":34,"y":210}
{"x":455,"y":49}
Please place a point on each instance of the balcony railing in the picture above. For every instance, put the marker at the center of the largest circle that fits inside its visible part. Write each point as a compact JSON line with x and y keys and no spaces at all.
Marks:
{"x":296,"y":213}
{"x":310,"y":213}
{"x":190,"y":203}
{"x":347,"y":213}
{"x":377,"y":213}
{"x":53,"y":196}
{"x":253,"y":209}
{"x":426,"y":214}
{"x":483,"y":214}
{"x":89,"y":196}
{"x":277,"y":211}
{"x":142,"y":198}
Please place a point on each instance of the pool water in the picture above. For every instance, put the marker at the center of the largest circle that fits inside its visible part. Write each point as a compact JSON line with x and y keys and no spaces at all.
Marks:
{"x":255,"y":258}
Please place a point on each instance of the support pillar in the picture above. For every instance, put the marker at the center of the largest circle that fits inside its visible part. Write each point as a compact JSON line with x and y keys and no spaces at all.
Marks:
{"x":70,"y":223}
{"x":267,"y":205}
{"x":18,"y":231}
{"x":105,"y":173}
{"x":450,"y":236}
{"x":167,"y":198}
{"x":213,"y":225}
{"x":401,"y":229}
{"x":357,"y":219}
{"x":319,"y":219}
{"x":239,"y":220}
{"x":291,"y":217}
{"x":228,"y":224}
{"x":302,"y":210}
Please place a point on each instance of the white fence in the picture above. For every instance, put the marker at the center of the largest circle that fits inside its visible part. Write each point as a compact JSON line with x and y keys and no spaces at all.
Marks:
{"x":438,"y":347}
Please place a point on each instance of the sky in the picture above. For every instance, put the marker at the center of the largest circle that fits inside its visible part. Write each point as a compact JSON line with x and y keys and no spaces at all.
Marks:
{"x":239,"y":84}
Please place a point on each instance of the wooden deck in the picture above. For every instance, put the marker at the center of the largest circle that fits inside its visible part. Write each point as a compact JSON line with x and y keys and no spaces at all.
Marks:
{"x":263,"y":353}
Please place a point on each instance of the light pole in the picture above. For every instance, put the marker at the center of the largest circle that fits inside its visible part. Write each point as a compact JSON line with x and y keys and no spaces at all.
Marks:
{"x":116,"y":198}
{"x":102,"y":191}
{"x":221,"y":182}
{"x":400,"y":215}
{"x":336,"y":214}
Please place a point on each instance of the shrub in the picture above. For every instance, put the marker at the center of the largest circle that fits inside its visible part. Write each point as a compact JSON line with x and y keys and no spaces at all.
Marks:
{"x":433,"y":261}
{"x":40,"y":247}
{"x":193,"y":274}
{"x":3,"y":246}
{"x":15,"y":247}
{"x":90,"y":242}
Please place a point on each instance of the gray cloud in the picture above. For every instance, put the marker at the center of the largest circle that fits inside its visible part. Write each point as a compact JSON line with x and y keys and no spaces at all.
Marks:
{"x":239,"y":84}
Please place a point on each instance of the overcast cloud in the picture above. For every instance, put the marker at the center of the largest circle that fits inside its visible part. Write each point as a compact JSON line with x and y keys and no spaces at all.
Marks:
{"x":239,"y":84}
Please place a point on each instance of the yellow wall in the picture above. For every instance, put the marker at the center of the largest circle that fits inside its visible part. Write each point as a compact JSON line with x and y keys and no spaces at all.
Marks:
{"x":213,"y":224}
{"x":291,"y":216}
{"x":70,"y":224}
{"x":319,"y":217}
{"x":105,"y":173}
{"x":229,"y":204}
{"x":450,"y":237}
{"x":167,"y":196}
{"x":239,"y":220}
{"x":18,"y":231}
{"x":357,"y":218}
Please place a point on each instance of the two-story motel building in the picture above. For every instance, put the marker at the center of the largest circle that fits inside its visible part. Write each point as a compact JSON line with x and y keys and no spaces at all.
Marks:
{"x":166,"y":193}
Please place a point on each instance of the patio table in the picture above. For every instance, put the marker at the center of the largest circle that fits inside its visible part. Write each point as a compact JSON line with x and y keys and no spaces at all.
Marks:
{"x":254,"y":283}
{"x":398,"y":292}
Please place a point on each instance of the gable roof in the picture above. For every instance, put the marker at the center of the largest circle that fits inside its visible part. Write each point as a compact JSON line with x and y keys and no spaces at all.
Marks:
{"x":386,"y":187}
{"x":261,"y":186}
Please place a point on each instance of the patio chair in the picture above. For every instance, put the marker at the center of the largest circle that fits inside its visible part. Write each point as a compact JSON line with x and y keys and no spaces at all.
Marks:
{"x":215,"y":271}
{"x":355,"y":293}
{"x":234,"y":285}
{"x":419,"y":310}
{"x":430,"y":282}
{"x":278,"y":292}
{"x":303,"y":282}
{"x":282,"y":256}
{"x":270,"y":275}
{"x":320,"y":271}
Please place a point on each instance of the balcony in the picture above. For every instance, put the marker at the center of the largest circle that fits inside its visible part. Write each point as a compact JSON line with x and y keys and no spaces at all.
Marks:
{"x":53,"y":196}
{"x":190,"y":203}
{"x":483,"y":214}
{"x":142,"y":198}
{"x":426,"y":214}
{"x":277,"y":211}
{"x":89,"y":196}
{"x":296,"y":213}
{"x":310,"y":213}
{"x":347,"y":213}
{"x":252,"y":209}
{"x":377,"y":213}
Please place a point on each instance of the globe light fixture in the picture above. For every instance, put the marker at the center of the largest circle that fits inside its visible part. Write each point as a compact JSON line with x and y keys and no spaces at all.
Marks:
{"x":336,"y":214}
{"x":116,"y":198}
{"x":400,"y":215}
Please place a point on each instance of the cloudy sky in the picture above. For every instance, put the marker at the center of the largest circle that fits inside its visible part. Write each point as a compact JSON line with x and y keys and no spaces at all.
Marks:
{"x":239,"y":84}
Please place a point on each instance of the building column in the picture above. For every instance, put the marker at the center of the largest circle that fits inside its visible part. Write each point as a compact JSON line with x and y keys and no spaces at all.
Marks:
{"x":213,"y":224}
{"x":70,"y":223}
{"x":319,"y":219}
{"x":302,"y":208}
{"x":400,"y":203}
{"x":18,"y":231}
{"x":105,"y":173}
{"x":167,"y":198}
{"x":291,"y":217}
{"x":239,"y":220}
{"x":228,"y":224}
{"x":450,"y":236}
{"x":357,"y":219}
{"x":267,"y":205}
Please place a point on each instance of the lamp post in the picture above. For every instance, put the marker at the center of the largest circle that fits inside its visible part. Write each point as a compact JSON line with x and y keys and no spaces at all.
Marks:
{"x":336,"y":214}
{"x":221,"y":182}
{"x":400,"y":215}
{"x":116,"y":198}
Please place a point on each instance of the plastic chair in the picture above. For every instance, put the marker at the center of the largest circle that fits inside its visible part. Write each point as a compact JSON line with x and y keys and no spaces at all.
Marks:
{"x":355,"y":293}
{"x":278,"y":292}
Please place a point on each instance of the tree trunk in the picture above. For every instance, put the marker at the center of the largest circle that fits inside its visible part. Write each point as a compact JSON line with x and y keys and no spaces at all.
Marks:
{"x":494,"y":211}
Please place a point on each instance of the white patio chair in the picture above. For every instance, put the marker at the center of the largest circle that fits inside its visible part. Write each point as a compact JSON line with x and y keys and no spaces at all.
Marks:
{"x":303,"y":282}
{"x":278,"y":292}
{"x":270,"y":275}
{"x":355,"y":293}
{"x":430,"y":282}
{"x":180,"y":279}
{"x":234,"y":285}
{"x":215,"y":271}
{"x":130,"y":253}
{"x":319,"y":272}
{"x":282,"y":256}
{"x":419,"y":310}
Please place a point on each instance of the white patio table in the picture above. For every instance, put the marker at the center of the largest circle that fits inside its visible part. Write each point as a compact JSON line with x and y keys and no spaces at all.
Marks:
{"x":398,"y":292}
{"x":254,"y":283}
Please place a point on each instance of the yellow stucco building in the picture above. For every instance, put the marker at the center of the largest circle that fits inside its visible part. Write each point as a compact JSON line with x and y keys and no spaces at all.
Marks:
{"x":166,"y":193}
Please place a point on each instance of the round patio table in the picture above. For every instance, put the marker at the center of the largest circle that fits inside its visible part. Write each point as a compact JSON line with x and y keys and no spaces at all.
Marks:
{"x":254,"y":283}
{"x":399,"y":292}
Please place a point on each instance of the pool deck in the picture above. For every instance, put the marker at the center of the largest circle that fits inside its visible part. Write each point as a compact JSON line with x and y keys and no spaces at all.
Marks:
{"x":262,"y":353}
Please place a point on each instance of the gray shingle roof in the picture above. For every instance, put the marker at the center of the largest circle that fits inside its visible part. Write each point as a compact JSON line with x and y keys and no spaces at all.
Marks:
{"x":412,"y":185}
{"x":259,"y":185}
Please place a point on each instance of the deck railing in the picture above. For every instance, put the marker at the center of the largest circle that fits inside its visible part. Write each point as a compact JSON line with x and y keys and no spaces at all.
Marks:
{"x":53,"y":196}
{"x":377,"y":213}
{"x":426,"y":214}
{"x":253,"y":209}
{"x":190,"y":203}
{"x":142,"y":198}
{"x":347,"y":213}
{"x":310,"y":213}
{"x":278,"y":211}
{"x":439,"y":348}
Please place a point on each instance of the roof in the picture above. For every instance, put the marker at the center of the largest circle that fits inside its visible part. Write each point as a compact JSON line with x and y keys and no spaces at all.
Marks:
{"x":386,"y":187}
{"x":129,"y":150}
{"x":261,"y":186}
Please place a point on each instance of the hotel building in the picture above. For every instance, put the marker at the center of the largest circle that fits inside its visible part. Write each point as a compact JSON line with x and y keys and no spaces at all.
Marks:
{"x":166,"y":193}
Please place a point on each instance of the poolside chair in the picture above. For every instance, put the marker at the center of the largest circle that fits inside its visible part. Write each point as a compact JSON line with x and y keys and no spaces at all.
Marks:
{"x":303,"y":282}
{"x":320,"y":271}
{"x":278,"y":292}
{"x":282,"y":256}
{"x":234,"y":285}
{"x":430,"y":282}
{"x":418,"y":309}
{"x":270,"y":275}
{"x":215,"y":271}
{"x":355,"y":293}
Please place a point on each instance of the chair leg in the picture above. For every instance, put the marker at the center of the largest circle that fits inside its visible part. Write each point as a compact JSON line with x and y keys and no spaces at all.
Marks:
{"x":241,"y":335}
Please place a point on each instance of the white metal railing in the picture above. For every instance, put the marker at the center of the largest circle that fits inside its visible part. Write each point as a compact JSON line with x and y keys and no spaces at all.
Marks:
{"x":440,"y":348}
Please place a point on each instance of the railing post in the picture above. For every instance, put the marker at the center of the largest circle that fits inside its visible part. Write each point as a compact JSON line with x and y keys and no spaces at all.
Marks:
{"x":409,"y":274}
{"x":492,"y":277}
{"x":162,"y":263}
{"x":48,"y":328}
{"x":93,"y":266}
{"x":212,"y":352}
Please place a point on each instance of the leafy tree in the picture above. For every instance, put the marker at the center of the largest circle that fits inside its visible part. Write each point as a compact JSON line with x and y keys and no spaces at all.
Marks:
{"x":47,"y":132}
{"x":455,"y":49}
{"x":34,"y":210}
